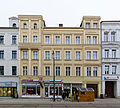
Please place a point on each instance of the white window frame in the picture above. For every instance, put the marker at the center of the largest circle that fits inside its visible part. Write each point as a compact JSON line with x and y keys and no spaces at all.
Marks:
{"x":47,"y":39}
{"x":57,"y":71}
{"x":77,"y":55}
{"x":35,"y":54}
{"x":88,"y":71}
{"x":57,"y":39}
{"x":47,"y":71}
{"x":67,"y":71}
{"x":77,"y":39}
{"x":94,"y":55}
{"x":24,"y":39}
{"x":35,"y":39}
{"x":67,"y":39}
{"x":88,"y":39}
{"x":78,"y":71}
{"x":25,"y":55}
{"x":47,"y":55}
{"x":35,"y":71}
{"x":57,"y":55}
{"x":88,"y":55}
{"x":95,"y":71}
{"x":67,"y":55}
{"x":94,"y":39}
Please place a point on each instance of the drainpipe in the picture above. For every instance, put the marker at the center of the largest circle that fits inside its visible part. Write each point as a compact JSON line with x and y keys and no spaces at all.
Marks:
{"x":101,"y":95}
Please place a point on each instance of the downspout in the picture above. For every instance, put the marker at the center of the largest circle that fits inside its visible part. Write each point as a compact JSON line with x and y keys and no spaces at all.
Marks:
{"x":101,"y":96}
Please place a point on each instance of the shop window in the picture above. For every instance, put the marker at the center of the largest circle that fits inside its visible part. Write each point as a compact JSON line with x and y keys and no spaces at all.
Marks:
{"x":31,"y":90}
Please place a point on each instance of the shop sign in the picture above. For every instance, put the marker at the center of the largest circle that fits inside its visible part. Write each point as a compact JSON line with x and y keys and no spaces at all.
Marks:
{"x":8,"y":84}
{"x":111,"y":77}
{"x":51,"y":81}
{"x":32,"y":80}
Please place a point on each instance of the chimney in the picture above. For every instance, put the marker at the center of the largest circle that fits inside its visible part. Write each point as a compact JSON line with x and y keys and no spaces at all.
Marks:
{"x":60,"y":25}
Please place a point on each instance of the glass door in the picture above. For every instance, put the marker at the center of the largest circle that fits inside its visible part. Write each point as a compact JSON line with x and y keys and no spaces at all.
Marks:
{"x":9,"y":92}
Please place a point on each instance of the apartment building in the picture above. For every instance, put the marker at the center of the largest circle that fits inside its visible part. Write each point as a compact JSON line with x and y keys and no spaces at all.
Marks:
{"x":110,"y":58}
{"x":9,"y":81}
{"x":76,"y":51}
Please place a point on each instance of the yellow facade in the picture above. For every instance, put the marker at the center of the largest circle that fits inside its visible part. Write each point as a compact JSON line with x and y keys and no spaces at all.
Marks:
{"x":41,"y":47}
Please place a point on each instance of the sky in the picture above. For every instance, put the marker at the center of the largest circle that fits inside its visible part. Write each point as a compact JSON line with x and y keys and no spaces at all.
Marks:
{"x":67,"y":12}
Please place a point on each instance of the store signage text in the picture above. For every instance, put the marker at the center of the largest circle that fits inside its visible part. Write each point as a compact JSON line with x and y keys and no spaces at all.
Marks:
{"x":111,"y":77}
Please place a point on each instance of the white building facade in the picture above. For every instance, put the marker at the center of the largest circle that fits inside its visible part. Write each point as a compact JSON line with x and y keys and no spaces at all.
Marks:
{"x":110,"y":31}
{"x":9,"y":66}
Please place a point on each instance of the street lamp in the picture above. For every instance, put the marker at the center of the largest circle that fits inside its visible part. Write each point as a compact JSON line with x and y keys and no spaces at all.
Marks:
{"x":53,"y":76}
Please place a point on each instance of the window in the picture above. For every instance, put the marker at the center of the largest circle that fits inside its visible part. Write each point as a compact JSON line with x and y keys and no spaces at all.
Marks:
{"x":14,"y":25}
{"x":95,"y":71}
{"x":35,"y":54}
{"x":35,"y":39}
{"x":67,"y":56}
{"x":67,"y":71}
{"x":88,"y":55}
{"x":47,"y":55}
{"x":24,"y":54}
{"x":35,"y":71}
{"x":88,"y":39}
{"x":57,"y":40}
{"x":57,"y":71}
{"x":35,"y":26}
{"x":113,"y":53}
{"x":88,"y":71}
{"x":57,"y":55}
{"x":1,"y":54}
{"x":106,"y":69}
{"x":113,"y":36}
{"x":77,"y":71}
{"x":94,"y":39}
{"x":87,"y":25}
{"x":1,"y":39}
{"x":14,"y":70}
{"x":67,"y":39}
{"x":47,"y":40}
{"x":77,"y":55}
{"x":24,"y":25}
{"x":47,"y":71}
{"x":106,"y":53}
{"x":77,"y":39}
{"x":14,"y":54}
{"x":106,"y":36}
{"x":95,"y":25}
{"x":14,"y":40}
{"x":24,"y":39}
{"x":24,"y":70}
{"x":114,"y":69}
{"x":94,"y":55}
{"x":1,"y":70}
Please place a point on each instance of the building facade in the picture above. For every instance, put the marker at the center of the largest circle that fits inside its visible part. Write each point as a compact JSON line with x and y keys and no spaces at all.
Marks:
{"x":9,"y":81}
{"x":110,"y":58}
{"x":76,"y":51}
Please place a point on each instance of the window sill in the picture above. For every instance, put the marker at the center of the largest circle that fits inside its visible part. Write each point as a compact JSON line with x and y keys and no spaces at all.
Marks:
{"x":35,"y":59}
{"x":24,"y":59}
{"x":67,"y":59}
{"x":78,"y":60}
{"x":91,"y":60}
{"x":47,"y":59}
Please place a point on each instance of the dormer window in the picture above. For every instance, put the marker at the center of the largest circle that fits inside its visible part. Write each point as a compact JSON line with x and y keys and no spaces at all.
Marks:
{"x":14,"y":25}
{"x":35,"y":26}
{"x":24,"y":25}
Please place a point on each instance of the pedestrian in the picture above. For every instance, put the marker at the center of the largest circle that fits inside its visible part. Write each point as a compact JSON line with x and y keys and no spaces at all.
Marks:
{"x":69,"y":95}
{"x":78,"y":98}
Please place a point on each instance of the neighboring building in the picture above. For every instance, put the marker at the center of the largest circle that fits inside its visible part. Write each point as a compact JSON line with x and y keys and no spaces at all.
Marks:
{"x":9,"y":80}
{"x":77,"y":56}
{"x":110,"y":58}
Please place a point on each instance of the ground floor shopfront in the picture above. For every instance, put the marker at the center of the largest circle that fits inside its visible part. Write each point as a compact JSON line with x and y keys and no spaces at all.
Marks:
{"x":39,"y":87}
{"x":9,"y":86}
{"x":111,"y":86}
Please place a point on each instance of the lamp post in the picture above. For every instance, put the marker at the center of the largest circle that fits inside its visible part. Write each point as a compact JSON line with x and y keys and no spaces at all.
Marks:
{"x":53,"y":76}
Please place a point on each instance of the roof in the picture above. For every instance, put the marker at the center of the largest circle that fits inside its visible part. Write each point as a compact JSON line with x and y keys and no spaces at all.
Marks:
{"x":14,"y":18}
{"x":111,"y":21}
{"x":8,"y":28}
{"x":62,"y":28}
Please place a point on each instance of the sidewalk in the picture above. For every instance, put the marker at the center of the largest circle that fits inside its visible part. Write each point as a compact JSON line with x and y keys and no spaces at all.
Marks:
{"x":50,"y":101}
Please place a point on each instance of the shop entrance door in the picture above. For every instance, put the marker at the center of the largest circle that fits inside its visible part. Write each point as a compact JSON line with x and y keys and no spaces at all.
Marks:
{"x":109,"y":89}
{"x":95,"y":87}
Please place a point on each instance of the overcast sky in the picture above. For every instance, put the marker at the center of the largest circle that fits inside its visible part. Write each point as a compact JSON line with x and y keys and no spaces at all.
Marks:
{"x":68,"y":12}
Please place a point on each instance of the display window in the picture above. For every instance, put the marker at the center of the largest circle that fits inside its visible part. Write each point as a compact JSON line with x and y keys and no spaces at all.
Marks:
{"x":49,"y":90}
{"x":8,"y":91}
{"x":31,"y":90}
